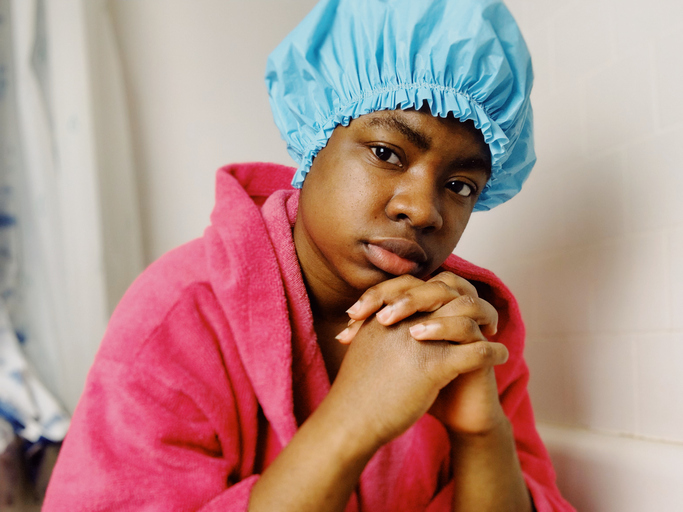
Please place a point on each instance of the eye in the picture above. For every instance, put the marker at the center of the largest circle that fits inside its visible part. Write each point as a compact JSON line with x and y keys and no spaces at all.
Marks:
{"x":386,"y":155}
{"x":461,"y":188}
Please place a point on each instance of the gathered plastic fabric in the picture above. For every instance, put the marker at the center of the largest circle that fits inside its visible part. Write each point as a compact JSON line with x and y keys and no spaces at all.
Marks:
{"x":348,"y":58}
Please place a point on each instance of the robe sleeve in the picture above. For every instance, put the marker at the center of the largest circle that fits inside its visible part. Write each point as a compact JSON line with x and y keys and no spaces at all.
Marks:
{"x":162,"y":424}
{"x":533,"y":457}
{"x":513,"y":378}
{"x":136,"y":444}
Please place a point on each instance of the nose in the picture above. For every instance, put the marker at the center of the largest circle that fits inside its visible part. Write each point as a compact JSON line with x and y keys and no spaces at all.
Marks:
{"x":416,"y":201}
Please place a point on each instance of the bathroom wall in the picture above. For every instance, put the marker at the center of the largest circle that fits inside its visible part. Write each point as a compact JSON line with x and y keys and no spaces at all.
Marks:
{"x":194,"y":72}
{"x":593,"y":246}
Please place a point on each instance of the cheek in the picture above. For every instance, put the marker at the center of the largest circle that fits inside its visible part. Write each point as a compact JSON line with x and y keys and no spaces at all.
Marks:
{"x":329,"y":210}
{"x":458,"y":224}
{"x":353,"y":199}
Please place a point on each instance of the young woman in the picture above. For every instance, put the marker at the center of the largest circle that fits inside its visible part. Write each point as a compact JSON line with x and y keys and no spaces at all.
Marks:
{"x":322,"y":349}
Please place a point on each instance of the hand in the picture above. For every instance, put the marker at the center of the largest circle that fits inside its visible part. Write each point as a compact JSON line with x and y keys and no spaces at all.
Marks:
{"x":468,"y":404}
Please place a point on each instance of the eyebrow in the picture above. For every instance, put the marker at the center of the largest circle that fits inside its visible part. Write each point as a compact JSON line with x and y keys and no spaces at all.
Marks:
{"x":473,"y":163}
{"x":424,"y":143}
{"x":391,"y":122}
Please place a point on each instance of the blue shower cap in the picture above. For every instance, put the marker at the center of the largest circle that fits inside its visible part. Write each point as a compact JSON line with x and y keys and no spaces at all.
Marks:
{"x":348,"y":58}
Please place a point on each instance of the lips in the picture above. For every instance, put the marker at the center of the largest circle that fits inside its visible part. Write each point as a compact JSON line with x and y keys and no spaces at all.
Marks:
{"x":395,"y":256}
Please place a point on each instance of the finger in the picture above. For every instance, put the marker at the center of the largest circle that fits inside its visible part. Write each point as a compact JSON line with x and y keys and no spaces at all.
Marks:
{"x":456,"y":329}
{"x":462,"y":285}
{"x":433,"y":295}
{"x":473,"y":356}
{"x":425,"y":298}
{"x":346,"y":336}
{"x":374,"y":298}
{"x":480,"y":354}
{"x":479,"y":310}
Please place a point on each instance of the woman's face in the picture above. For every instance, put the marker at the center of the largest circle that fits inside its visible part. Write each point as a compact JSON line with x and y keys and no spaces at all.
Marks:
{"x":390,"y":194}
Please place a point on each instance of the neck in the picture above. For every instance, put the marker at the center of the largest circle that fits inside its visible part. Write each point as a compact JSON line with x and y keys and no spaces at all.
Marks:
{"x":329,"y":297}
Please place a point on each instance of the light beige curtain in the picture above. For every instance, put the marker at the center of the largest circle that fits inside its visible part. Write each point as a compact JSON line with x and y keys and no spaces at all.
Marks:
{"x":79,"y":223}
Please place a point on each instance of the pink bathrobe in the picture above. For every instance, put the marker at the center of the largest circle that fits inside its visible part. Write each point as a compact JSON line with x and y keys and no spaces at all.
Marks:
{"x":210,"y":363}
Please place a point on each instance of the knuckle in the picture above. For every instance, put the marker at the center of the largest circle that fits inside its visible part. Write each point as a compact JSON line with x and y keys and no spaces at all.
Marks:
{"x":454,"y":281}
{"x":470,"y":328}
{"x":448,"y":277}
{"x":371,"y":296}
{"x":444,"y":287}
{"x":467,"y":288}
{"x":404,"y":304}
{"x":467,"y":301}
{"x":423,"y":361}
{"x":485,"y":351}
{"x":407,"y":300}
{"x":407,"y":279}
{"x":407,"y":296}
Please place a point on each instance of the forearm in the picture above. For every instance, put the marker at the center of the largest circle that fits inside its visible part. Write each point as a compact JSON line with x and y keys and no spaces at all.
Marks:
{"x":487,"y":473}
{"x":319,"y":468}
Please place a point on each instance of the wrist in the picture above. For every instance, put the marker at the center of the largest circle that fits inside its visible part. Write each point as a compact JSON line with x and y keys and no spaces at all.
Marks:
{"x":494,"y":428}
{"x":348,"y":433}
{"x":487,"y":472}
{"x":478,"y":422}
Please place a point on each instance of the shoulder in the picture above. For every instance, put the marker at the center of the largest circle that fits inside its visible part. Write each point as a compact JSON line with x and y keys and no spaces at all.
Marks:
{"x":171,"y":334}
{"x":173,"y":293}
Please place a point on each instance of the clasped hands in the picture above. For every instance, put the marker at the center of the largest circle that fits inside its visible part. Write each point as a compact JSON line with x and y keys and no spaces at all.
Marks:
{"x":424,"y":350}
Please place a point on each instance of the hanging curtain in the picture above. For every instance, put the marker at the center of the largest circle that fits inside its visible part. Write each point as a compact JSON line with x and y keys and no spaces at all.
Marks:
{"x":69,"y":228}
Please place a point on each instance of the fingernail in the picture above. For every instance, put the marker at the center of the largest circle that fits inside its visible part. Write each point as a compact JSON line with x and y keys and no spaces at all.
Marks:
{"x":342,"y":334}
{"x":354,"y":309}
{"x":385,"y":314}
{"x":350,"y":322}
{"x":416,"y":330}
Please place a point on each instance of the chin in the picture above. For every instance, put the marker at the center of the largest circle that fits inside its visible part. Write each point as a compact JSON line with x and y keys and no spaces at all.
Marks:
{"x":368,"y":278}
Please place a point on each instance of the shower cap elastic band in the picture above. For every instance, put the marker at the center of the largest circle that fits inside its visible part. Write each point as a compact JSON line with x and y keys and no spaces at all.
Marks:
{"x":348,"y":58}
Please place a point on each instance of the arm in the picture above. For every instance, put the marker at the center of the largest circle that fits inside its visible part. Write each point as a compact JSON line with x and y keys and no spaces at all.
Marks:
{"x":320,"y":467}
{"x":387,"y":381}
{"x":486,"y":469}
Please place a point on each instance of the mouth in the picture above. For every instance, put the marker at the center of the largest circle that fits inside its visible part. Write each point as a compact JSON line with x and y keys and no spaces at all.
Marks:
{"x":396,"y":256}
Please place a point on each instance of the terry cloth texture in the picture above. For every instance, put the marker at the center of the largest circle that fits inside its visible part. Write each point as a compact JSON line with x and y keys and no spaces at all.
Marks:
{"x":210,"y":363}
{"x":466,"y":58}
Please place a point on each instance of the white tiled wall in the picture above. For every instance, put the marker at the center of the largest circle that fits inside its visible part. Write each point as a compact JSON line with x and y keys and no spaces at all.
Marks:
{"x":593,"y":246}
